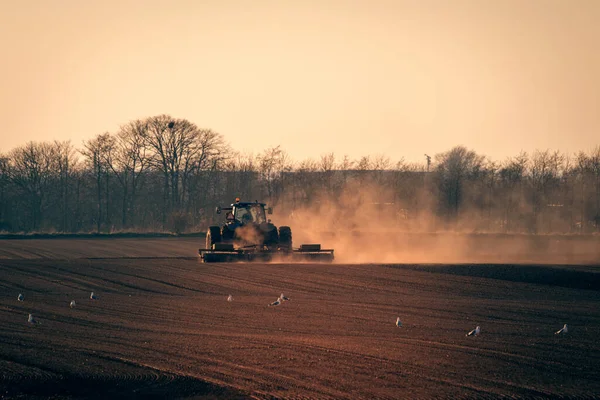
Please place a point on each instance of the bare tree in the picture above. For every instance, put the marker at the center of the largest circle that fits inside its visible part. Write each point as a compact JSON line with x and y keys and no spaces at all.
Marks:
{"x":272,"y":163}
{"x":490,"y":175}
{"x":4,"y":179}
{"x":304,"y":188}
{"x":364,"y":164}
{"x":212,"y":155}
{"x":594,"y":168}
{"x":345,"y":166}
{"x":454,"y":168}
{"x":414,"y":192}
{"x":568,"y":192}
{"x":97,"y":153}
{"x":381,"y":165}
{"x":327,"y":166}
{"x":66,"y":161}
{"x":128,"y":160}
{"x":544,"y":176}
{"x":243,"y":176}
{"x":180,"y":149}
{"x":588,"y":171}
{"x":511,"y":176}
{"x":31,"y":168}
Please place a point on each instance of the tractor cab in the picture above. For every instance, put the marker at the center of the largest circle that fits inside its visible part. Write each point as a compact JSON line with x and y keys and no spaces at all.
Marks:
{"x":243,"y":213}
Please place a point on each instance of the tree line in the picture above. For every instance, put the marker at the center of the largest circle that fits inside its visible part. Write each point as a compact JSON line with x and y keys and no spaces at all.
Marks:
{"x":166,"y":174}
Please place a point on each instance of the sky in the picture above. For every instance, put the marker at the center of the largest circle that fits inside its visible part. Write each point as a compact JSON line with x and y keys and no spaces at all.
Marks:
{"x":397,"y":78}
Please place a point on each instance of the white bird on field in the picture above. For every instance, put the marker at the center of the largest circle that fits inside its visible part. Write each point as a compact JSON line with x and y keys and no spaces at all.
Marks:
{"x":20,"y":297}
{"x":282,"y":297}
{"x":474,"y":332}
{"x":93,"y":296}
{"x":230,"y":298}
{"x":398,"y":322}
{"x":276,"y":302}
{"x":563,"y":330}
{"x":72,"y":304}
{"x":31,"y":320}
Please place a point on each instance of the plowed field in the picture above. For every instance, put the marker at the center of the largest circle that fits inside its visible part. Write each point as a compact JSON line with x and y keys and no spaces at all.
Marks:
{"x":162,"y":327}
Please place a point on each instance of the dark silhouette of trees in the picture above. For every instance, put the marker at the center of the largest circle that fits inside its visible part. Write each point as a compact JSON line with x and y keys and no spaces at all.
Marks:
{"x":164,"y":173}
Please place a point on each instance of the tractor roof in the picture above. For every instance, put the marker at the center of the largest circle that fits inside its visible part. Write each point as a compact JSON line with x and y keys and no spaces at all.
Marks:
{"x":246,"y":204}
{"x":241,"y":205}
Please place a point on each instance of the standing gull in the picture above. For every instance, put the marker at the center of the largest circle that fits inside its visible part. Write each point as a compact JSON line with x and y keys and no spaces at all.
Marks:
{"x":474,"y":332}
{"x":93,"y":296}
{"x":398,"y":322}
{"x":282,"y":297}
{"x":31,"y":320}
{"x":230,"y":298}
{"x":563,"y":330}
{"x":20,"y":297}
{"x":72,"y":304}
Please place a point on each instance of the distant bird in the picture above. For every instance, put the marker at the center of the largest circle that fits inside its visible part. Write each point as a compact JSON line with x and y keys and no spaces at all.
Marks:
{"x":20,"y":297}
{"x":276,"y":302}
{"x":93,"y":296}
{"x":31,"y":320}
{"x":72,"y":304}
{"x":474,"y":332}
{"x":230,"y":298}
{"x":282,"y":297}
{"x":563,"y":330}
{"x":398,"y":322}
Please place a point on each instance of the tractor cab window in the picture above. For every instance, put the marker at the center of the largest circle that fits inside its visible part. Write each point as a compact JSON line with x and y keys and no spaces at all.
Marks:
{"x":252,"y":213}
{"x":243,"y":215}
{"x":258,"y":214}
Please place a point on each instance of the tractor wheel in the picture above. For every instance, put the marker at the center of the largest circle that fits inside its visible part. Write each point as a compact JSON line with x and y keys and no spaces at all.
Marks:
{"x":213,"y":235}
{"x":285,"y":238}
{"x":227,"y":234}
{"x":271,"y":238}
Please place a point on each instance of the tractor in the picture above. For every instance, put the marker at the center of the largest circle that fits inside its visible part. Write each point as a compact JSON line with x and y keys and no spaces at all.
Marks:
{"x":248,"y":235}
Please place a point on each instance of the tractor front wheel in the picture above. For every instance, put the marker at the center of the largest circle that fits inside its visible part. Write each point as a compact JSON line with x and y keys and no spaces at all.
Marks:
{"x":227,"y":234}
{"x":213,"y":235}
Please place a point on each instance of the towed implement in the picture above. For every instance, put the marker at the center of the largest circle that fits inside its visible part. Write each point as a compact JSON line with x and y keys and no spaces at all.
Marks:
{"x":248,"y":235}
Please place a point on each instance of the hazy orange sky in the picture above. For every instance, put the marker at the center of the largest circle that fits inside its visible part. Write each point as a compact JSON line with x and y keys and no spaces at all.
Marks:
{"x":399,"y":78}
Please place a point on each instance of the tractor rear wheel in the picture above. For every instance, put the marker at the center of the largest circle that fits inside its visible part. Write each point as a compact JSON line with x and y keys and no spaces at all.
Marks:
{"x":285,"y":238}
{"x":213,"y":235}
{"x":271,"y":237}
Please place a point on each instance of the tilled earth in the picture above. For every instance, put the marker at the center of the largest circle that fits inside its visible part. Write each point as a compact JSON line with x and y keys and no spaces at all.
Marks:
{"x":163,"y":328}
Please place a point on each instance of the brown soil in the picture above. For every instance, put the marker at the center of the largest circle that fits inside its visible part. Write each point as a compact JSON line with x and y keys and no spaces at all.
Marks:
{"x":163,"y":328}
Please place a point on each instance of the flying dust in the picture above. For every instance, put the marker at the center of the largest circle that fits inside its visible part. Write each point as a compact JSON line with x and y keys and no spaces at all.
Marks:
{"x":363,"y":227}
{"x":247,"y":236}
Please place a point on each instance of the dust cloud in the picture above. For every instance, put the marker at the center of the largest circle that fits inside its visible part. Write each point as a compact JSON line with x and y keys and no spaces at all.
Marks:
{"x":247,"y":236}
{"x":362,"y":226}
